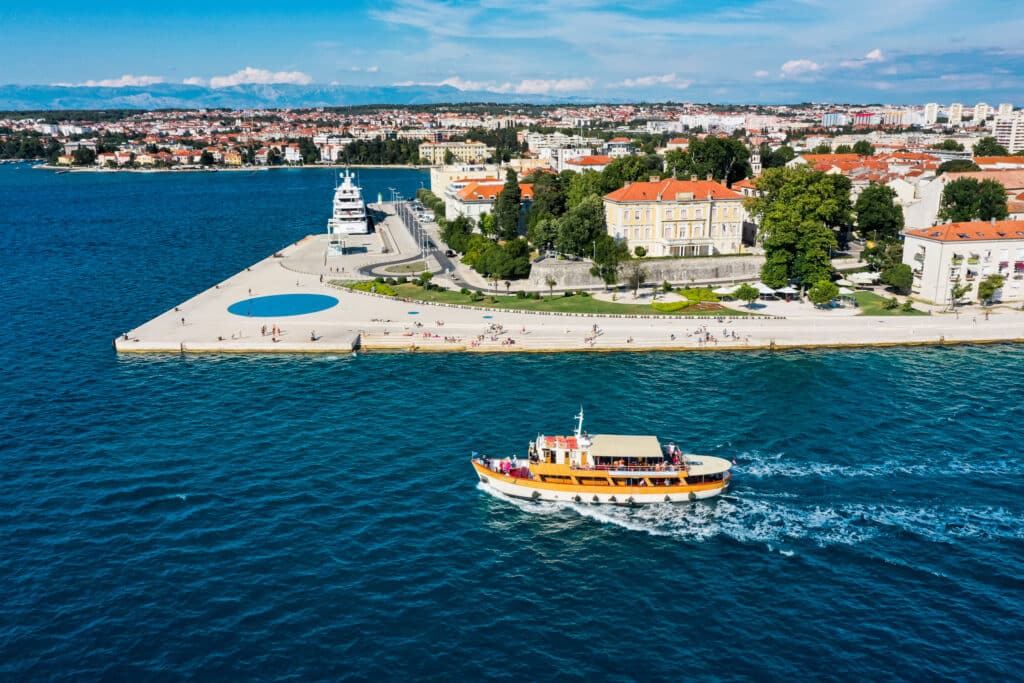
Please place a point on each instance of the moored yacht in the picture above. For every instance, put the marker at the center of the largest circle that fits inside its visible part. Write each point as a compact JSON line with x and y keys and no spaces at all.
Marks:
{"x":615,"y":469}
{"x":349,"y":215}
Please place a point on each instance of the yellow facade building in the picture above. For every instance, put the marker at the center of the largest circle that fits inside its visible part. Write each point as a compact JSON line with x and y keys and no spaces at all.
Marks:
{"x":462,"y":152}
{"x":677,"y":217}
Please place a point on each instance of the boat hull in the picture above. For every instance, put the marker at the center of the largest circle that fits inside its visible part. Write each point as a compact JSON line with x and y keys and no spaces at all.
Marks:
{"x":529,"y":489}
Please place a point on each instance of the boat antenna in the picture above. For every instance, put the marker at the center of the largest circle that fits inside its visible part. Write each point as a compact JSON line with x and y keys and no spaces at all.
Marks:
{"x":579,"y":425}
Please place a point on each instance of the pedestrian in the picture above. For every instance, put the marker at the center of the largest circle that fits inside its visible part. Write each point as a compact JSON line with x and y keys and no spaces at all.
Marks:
{"x":183,"y":321}
{"x":250,"y":291}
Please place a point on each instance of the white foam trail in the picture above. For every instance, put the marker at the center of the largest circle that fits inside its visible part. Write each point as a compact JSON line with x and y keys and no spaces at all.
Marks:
{"x":776,"y":522}
{"x":775,"y":466}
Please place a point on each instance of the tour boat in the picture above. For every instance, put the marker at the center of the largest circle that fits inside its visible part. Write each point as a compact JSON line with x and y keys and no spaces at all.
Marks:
{"x":349,"y":210}
{"x":614,"y":469}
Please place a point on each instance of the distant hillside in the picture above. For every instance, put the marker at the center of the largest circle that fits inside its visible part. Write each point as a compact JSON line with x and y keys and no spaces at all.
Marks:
{"x":177,"y":96}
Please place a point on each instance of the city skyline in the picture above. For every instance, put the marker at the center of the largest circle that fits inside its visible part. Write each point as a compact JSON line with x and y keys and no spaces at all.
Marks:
{"x":754,"y":52}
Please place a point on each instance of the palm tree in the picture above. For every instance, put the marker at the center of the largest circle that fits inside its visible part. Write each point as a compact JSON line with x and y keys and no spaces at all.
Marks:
{"x":550,"y":281}
{"x":507,"y":286}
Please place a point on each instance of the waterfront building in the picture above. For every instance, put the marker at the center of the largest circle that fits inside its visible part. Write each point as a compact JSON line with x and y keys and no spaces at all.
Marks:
{"x":434,"y":153}
{"x":677,"y":217}
{"x":678,"y":143}
{"x":941,"y":255}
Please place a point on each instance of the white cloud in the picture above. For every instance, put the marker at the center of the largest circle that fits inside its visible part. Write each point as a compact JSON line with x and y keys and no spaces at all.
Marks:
{"x":796,"y":68}
{"x":543,"y":87}
{"x":873,"y":57}
{"x":125,"y":80}
{"x":530,"y":86}
{"x":194,"y":80}
{"x":368,"y":69}
{"x":647,"y":81}
{"x":260,"y":76}
{"x":761,"y":73}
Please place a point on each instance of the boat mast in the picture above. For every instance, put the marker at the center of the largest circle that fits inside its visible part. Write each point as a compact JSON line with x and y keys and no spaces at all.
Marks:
{"x":579,"y":424}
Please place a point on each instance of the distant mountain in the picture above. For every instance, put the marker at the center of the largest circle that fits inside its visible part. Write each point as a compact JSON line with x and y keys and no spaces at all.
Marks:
{"x":178,"y":96}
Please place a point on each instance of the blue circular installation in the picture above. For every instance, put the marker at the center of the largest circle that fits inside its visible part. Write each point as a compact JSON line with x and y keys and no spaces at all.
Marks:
{"x":279,"y":305}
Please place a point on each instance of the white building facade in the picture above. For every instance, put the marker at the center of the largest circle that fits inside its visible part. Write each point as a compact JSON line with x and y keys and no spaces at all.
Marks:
{"x":942,"y":255}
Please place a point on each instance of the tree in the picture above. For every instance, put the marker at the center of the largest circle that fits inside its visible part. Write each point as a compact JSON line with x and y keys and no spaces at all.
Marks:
{"x":883,"y":255}
{"x":456,"y":234}
{"x":988,"y":287}
{"x":990,"y":147}
{"x":877,"y":214}
{"x":635,"y":274}
{"x":957,"y":290}
{"x":487,"y":225}
{"x":747,"y":293}
{"x":950,"y":145}
{"x":425,"y":278}
{"x":506,"y":208}
{"x":900,"y":276}
{"x":206,"y":159}
{"x":844,"y":149}
{"x":727,"y":160}
{"x":543,"y":233}
{"x":83,"y":156}
{"x":967,"y":199}
{"x":823,"y":148}
{"x":579,"y":228}
{"x":274,"y":157}
{"x":956,"y":166}
{"x":639,"y":251}
{"x":798,"y":214}
{"x":583,"y":185}
{"x":548,"y":198}
{"x":823,"y":292}
{"x":608,"y":254}
{"x":863,"y":148}
{"x":550,"y":281}
{"x":449,"y":157}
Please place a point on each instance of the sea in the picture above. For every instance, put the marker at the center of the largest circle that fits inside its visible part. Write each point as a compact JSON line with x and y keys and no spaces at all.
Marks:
{"x":315,"y":518}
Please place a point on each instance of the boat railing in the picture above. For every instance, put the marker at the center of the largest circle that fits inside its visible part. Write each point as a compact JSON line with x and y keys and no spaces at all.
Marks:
{"x":631,"y":469}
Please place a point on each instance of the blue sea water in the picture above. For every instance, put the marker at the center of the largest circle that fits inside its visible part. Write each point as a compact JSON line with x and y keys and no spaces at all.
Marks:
{"x":315,"y":518}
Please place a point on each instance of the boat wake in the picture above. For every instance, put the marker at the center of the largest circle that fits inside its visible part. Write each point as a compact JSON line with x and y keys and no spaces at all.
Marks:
{"x":780,"y":522}
{"x":773,"y":466}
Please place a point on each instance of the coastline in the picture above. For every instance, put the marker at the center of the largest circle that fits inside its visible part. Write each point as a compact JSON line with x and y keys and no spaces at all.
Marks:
{"x":218,"y":169}
{"x":361,"y":321}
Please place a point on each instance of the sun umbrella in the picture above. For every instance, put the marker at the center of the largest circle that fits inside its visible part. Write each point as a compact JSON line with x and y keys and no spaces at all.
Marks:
{"x":845,"y":290}
{"x":726,"y":289}
{"x":786,"y":290}
{"x":844,"y":283}
{"x":763,"y":288}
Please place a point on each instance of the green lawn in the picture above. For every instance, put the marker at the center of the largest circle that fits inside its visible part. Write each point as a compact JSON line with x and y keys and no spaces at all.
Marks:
{"x":559,"y":303}
{"x":872,"y":304}
{"x":416,"y":267}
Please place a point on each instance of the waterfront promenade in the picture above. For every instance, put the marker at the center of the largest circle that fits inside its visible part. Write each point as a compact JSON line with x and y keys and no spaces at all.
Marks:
{"x":370,"y":322}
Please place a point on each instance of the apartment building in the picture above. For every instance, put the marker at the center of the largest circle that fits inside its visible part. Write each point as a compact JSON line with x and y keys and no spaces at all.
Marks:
{"x":677,"y":217}
{"x":942,"y":255}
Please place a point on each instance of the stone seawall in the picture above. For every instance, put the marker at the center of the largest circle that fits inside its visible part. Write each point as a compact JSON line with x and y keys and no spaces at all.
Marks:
{"x":707,"y":270}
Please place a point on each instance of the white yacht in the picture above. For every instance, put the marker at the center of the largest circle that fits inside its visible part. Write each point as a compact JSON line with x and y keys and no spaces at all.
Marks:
{"x":349,"y":216}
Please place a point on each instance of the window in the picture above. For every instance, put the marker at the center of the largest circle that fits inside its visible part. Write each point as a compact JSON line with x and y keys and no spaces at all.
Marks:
{"x":637,"y":215}
{"x":668,"y":214}
{"x":700,"y":212}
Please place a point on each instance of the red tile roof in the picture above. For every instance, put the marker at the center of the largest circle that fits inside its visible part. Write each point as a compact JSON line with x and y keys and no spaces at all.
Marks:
{"x":481,"y":191}
{"x":975,"y":230}
{"x":666,"y":190}
{"x":986,"y":161}
{"x":591,"y":160}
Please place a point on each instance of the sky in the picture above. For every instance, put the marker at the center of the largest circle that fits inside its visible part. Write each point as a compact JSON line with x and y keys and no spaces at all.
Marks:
{"x":865,"y":51}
